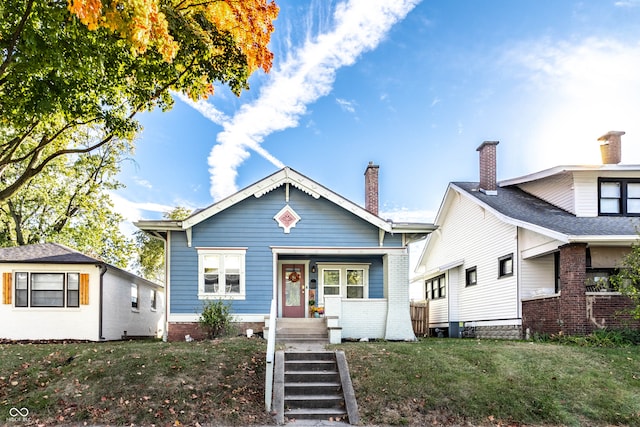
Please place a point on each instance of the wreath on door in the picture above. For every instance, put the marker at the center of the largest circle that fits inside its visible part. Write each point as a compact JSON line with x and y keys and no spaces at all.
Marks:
{"x":294,"y":277}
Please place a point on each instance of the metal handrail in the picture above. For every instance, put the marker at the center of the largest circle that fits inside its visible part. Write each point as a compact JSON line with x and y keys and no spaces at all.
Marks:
{"x":271,"y":349}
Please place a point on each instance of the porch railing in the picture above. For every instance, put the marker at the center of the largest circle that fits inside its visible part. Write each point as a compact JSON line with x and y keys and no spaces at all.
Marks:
{"x":271,"y":349}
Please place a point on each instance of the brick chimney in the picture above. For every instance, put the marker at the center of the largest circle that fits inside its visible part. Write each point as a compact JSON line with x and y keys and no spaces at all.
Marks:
{"x":611,"y":147}
{"x":488,"y":183}
{"x":371,"y":188}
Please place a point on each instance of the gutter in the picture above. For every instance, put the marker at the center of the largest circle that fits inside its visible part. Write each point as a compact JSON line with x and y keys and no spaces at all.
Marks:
{"x":103,"y":270}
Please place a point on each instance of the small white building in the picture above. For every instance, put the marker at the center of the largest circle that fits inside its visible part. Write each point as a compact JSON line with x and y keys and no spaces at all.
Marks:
{"x":51,"y":292}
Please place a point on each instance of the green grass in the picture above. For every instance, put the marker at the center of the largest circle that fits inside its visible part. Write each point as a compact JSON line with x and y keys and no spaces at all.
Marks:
{"x":484,"y":381}
{"x":138,"y":382}
{"x":221,"y":382}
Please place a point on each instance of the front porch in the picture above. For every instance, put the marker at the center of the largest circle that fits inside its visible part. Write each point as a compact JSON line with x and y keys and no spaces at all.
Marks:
{"x":361,"y":292}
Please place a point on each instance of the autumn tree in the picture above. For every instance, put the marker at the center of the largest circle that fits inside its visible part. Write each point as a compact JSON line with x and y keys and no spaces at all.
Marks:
{"x":68,"y":203}
{"x":89,"y":66}
{"x":151,"y":250}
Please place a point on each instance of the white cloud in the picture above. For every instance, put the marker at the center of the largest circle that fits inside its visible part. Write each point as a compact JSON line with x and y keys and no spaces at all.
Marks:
{"x":627,"y":3}
{"x":143,"y":182}
{"x":577,"y":92}
{"x":204,"y":108}
{"x":348,"y":106}
{"x":133,"y":211}
{"x":406,"y":215}
{"x":307,"y":74}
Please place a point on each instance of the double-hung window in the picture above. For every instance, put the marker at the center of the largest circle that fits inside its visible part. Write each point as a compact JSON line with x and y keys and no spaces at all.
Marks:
{"x":436,"y":287}
{"x":221,"y":273}
{"x":619,"y":197}
{"x":350,"y":280}
{"x":47,"y":289}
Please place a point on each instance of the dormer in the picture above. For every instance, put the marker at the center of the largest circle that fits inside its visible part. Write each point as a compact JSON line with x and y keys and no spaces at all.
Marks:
{"x":609,"y":189}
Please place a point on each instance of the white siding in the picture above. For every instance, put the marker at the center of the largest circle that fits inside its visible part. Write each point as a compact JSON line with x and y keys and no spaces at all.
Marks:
{"x":537,"y":276}
{"x":41,"y":323}
{"x":119,"y":316}
{"x":586,"y":190}
{"x":469,"y":232}
{"x":556,"y":189}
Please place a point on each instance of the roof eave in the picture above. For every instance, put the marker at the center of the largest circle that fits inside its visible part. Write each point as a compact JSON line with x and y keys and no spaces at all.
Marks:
{"x":556,"y":170}
{"x":605,"y":240}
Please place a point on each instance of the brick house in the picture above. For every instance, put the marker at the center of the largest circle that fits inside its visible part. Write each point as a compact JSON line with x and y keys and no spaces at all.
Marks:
{"x":288,"y":239}
{"x":532,"y":254}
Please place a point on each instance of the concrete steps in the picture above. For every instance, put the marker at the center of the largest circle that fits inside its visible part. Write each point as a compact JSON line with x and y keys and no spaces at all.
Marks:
{"x":294,"y":331}
{"x":312,"y":387}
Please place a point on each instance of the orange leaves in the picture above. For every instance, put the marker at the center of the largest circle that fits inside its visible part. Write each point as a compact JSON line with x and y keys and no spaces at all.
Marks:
{"x":250,"y":22}
{"x":140,"y":22}
{"x":144,"y":25}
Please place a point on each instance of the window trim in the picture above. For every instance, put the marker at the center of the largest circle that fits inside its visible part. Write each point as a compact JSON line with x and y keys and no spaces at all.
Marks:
{"x":502,"y":262}
{"x":440,"y":290}
{"x":28,"y":291}
{"x":343,"y":285}
{"x":202,"y":253}
{"x":624,"y":197}
{"x":135,"y":305}
{"x":154,"y":299}
{"x":467,"y":280}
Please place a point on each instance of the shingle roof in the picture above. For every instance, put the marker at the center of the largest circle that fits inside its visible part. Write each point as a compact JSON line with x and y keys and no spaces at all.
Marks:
{"x":513,"y":202}
{"x":49,"y":253}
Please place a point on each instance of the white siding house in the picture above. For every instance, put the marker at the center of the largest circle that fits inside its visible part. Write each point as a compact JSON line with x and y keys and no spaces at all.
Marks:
{"x":522,"y":255}
{"x":51,"y":292}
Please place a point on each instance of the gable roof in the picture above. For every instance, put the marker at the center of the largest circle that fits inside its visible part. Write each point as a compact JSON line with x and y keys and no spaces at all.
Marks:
{"x":45,"y":253}
{"x":519,"y":208}
{"x":55,"y":253}
{"x":284,"y":177}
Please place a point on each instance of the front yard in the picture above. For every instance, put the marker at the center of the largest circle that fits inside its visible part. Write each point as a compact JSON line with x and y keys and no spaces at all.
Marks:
{"x":432,"y":382}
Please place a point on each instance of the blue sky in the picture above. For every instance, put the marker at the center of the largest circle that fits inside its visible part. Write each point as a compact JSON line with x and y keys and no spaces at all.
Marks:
{"x":415,"y":87}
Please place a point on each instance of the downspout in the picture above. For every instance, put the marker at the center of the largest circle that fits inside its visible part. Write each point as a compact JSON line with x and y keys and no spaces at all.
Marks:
{"x":103,"y":270}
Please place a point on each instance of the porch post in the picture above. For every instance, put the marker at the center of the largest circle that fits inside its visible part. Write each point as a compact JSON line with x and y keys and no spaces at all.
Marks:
{"x":573,"y":298}
{"x":396,"y":285}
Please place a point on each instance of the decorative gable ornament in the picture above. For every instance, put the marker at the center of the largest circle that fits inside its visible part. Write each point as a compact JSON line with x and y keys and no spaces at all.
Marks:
{"x":287,"y":218}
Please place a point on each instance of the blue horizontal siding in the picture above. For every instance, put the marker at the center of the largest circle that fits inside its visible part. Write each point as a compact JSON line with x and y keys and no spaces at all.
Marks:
{"x":250,"y":224}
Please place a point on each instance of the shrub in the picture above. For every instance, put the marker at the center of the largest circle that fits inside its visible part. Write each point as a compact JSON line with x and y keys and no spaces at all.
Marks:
{"x":215,"y":318}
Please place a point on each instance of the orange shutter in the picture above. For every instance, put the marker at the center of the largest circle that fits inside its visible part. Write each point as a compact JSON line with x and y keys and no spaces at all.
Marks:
{"x":84,"y":289}
{"x":6,"y":288}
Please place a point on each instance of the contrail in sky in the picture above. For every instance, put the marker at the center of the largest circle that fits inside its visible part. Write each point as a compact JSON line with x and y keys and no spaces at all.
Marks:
{"x":307,"y":74}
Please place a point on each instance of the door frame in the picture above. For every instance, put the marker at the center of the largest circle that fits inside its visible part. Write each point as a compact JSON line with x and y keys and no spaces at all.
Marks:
{"x":279,"y":283}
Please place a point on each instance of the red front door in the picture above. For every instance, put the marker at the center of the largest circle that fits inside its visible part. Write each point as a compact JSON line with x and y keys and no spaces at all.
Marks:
{"x":293,"y":301}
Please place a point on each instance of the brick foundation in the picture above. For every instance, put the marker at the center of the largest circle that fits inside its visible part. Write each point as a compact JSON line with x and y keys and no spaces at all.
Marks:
{"x":178,"y":330}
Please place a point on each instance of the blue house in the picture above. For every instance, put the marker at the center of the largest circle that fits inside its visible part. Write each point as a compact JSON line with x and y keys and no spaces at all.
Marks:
{"x":289,"y":239}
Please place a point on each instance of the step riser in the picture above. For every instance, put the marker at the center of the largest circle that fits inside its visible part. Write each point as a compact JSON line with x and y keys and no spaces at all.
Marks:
{"x":327,"y":355}
{"x":302,"y":403}
{"x":306,"y":390}
{"x":302,"y":414}
{"x":292,"y":366}
{"x":316,"y":377}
